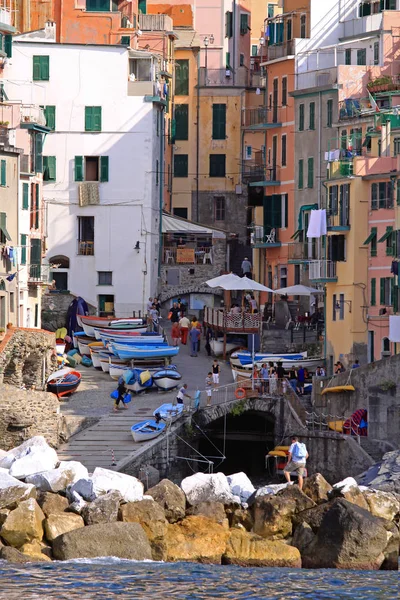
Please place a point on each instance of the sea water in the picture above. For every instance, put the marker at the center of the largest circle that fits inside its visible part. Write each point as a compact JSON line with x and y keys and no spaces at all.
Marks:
{"x":112,"y":578}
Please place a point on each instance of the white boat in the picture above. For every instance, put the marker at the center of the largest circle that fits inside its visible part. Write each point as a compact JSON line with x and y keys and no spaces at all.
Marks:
{"x":95,"y":356}
{"x":116,"y":370}
{"x":166,"y":379}
{"x":169,"y":412}
{"x":246,"y":370}
{"x":123,"y":334}
{"x":90,"y":323}
{"x":217,"y":346}
{"x":146,"y":430}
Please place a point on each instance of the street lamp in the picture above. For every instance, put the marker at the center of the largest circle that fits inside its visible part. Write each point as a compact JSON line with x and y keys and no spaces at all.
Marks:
{"x":206,"y":42}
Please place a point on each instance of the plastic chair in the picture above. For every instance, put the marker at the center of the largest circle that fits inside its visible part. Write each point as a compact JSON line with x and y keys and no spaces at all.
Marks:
{"x":207,"y":256}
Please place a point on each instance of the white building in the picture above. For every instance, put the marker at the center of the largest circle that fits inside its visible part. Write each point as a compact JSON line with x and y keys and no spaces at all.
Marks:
{"x":100,"y":167}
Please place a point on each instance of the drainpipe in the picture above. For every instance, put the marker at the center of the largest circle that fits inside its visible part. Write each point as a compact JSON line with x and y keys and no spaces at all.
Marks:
{"x":234,"y":41}
{"x":17,"y":299}
{"x":198,"y":137}
{"x":160,"y":182}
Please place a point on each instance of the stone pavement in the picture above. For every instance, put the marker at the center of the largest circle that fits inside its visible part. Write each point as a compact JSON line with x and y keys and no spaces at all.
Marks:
{"x":94,"y":445}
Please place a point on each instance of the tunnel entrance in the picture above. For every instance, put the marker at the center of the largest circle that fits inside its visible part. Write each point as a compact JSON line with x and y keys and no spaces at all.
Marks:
{"x":248,"y":438}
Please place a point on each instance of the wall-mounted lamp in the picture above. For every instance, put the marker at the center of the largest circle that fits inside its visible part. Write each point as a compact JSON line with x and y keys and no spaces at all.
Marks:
{"x":348,"y":302}
{"x":137,"y":247}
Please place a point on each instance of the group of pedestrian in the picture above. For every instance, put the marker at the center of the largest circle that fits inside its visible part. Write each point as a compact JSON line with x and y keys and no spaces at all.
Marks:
{"x":153,"y":313}
{"x":339,"y":368}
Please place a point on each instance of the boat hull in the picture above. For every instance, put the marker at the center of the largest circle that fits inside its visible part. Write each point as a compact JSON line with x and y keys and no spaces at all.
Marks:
{"x":66,"y":384}
{"x":246,"y":370}
{"x":166,"y":379}
{"x":217,"y":347}
{"x":132,"y":352}
{"x":146,"y":430}
{"x":169,"y":412}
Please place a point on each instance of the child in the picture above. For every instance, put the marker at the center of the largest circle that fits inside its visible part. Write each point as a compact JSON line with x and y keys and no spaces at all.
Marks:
{"x":209,"y":384}
{"x":215,"y":373}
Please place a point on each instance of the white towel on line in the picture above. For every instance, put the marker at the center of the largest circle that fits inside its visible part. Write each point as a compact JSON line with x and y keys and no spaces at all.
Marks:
{"x":317,"y":225}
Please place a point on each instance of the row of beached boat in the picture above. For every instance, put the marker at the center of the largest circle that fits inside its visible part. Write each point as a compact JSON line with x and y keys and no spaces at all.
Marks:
{"x":243,"y":362}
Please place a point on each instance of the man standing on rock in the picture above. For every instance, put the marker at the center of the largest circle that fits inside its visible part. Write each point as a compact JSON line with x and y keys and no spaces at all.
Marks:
{"x":297,"y":461}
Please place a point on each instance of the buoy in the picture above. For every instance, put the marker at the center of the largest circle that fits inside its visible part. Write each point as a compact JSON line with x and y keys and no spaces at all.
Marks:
{"x":240,"y":393}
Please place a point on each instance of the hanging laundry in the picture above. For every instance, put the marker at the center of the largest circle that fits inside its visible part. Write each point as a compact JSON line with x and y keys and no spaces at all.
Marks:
{"x":317,"y":224}
{"x":12,"y":276}
{"x":17,"y":256}
{"x":394,"y":328}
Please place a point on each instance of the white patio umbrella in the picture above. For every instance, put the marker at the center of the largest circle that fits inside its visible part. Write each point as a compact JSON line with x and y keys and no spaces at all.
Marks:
{"x":224,"y":281}
{"x":297,"y":290}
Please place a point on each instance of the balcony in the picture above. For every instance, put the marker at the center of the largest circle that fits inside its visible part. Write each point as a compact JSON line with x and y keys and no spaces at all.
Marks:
{"x":339,"y":221}
{"x":223,"y":77}
{"x":155,"y":23}
{"x":356,"y":27}
{"x":232,"y":323}
{"x":85,"y":248}
{"x":317,"y":78}
{"x":263,"y":117}
{"x":340,"y":169}
{"x":25,"y":163}
{"x":39,"y":274}
{"x":5,"y":17}
{"x":353,"y":108}
{"x":271,"y":177}
{"x":302,"y":251}
{"x":196,"y":255}
{"x":257,"y":79}
{"x":265,"y":237}
{"x":281,"y":50}
{"x":253,"y":171}
{"x":322,"y":270}
{"x":34,"y":114}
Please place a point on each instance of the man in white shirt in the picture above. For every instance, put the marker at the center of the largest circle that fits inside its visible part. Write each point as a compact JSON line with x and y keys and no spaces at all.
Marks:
{"x":184,"y":325}
{"x":182,"y":395}
{"x":297,"y":461}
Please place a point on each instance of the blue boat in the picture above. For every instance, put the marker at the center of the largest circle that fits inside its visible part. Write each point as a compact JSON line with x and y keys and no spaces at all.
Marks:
{"x":146,"y":430}
{"x":125,"y":351}
{"x":133,"y":380}
{"x":169,"y":412}
{"x":167,"y":379}
{"x":246,"y":358}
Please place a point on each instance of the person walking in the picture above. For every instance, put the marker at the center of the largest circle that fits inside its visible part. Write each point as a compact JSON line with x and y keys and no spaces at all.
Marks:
{"x":197,"y":325}
{"x":208,"y":340}
{"x":280,"y":372}
{"x":293,"y":378}
{"x":209,"y":384}
{"x":121,"y":389}
{"x":184,"y":325}
{"x":182,"y":394}
{"x":174,"y":312}
{"x":175,"y":334}
{"x":216,"y":370}
{"x":301,"y":377}
{"x":264,"y":375}
{"x":194,"y":336}
{"x":246,"y":268}
{"x":272,"y":378}
{"x":297,"y":461}
{"x":154,"y":318}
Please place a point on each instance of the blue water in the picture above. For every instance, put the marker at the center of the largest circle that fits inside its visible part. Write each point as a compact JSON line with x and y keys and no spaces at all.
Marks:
{"x":106,"y":579}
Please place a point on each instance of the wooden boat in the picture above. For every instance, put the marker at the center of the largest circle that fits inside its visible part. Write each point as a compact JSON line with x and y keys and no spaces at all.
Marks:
{"x":116,"y":370}
{"x":337,"y":389}
{"x":245,"y":357}
{"x":146,"y":430}
{"x":84,"y":345}
{"x":77,"y":336}
{"x":136,"y":341}
{"x":169,"y":412}
{"x":217,"y":346}
{"x":125,"y":334}
{"x":133,"y":380}
{"x":63,"y":382}
{"x":166,"y":379}
{"x":90,"y":323}
{"x":132,"y":352}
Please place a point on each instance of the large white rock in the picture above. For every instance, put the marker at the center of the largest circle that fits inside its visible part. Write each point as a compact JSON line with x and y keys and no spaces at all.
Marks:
{"x":383,"y":504}
{"x":27,"y":447}
{"x":12,"y":491}
{"x":37,"y":461}
{"x":274,"y":488}
{"x":104,"y":481}
{"x":203,"y":487}
{"x":241,"y":486}
{"x":57,"y":480}
{"x":2,"y":454}
{"x":346,"y":485}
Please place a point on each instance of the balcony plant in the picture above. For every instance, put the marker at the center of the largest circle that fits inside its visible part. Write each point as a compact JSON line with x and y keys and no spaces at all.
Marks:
{"x":4,"y":124}
{"x":381,"y":84}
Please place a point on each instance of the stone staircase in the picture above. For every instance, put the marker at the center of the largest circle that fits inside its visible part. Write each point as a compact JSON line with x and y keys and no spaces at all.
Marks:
{"x":237,"y":254}
{"x":372,"y":448}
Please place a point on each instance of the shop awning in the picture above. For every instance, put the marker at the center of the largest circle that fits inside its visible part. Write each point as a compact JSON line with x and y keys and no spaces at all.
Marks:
{"x":369,"y":239}
{"x":389,"y":231}
{"x":303,"y":209}
{"x":3,"y":228}
{"x":172,"y":224}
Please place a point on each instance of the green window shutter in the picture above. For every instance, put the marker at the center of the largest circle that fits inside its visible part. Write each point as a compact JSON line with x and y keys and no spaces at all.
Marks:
{"x":217,"y":165}
{"x":3,"y":175}
{"x":25,"y":196}
{"x":312,"y":115}
{"x":78,"y":168}
{"x":228,"y":24}
{"x":50,"y":116}
{"x":373,"y":291}
{"x":42,"y":68}
{"x":219,"y":122}
{"x":8,"y":45}
{"x":35,"y":258}
{"x":49,"y":168}
{"x":301,"y":174}
{"x":310,"y":173}
{"x":301,"y":117}
{"x":36,"y":68}
{"x":88,"y":118}
{"x":182,"y":122}
{"x":180,"y":165}
{"x":182,"y":77}
{"x":45,"y":168}
{"x":37,"y":207}
{"x":244,"y":24}
{"x":38,"y":153}
{"x":23,"y":248}
{"x":329,"y":110}
{"x":142,"y":7}
{"x":125,"y":40}
{"x":96,"y":118}
{"x":391,"y":279}
{"x":228,"y":60}
{"x":382,"y":294}
{"x":103,"y":168}
{"x":272,"y":212}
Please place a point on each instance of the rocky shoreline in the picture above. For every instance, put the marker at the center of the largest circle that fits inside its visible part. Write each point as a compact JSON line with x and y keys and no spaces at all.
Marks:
{"x":51,"y":510}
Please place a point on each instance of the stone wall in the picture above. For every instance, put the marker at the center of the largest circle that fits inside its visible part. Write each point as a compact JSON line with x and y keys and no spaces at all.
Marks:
{"x":236,"y":211}
{"x":54,"y":310}
{"x":26,"y":413}
{"x":282,"y":340}
{"x":375,"y":389}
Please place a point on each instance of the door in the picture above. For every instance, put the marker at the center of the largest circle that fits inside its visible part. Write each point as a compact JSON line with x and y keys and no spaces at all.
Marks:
{"x":371,"y":350}
{"x":274,"y":157}
{"x":275,"y":101}
{"x":3,"y":312}
{"x":106,"y":305}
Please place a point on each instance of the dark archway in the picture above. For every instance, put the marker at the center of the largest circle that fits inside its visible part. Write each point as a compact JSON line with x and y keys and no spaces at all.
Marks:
{"x":248,"y":438}
{"x":60,"y":260}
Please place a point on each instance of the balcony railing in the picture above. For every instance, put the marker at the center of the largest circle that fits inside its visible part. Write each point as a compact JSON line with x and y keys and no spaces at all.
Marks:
{"x":263,"y":116}
{"x":32,"y":114}
{"x":322,"y":270}
{"x":302,"y":251}
{"x":352,"y":108}
{"x":85,"y":248}
{"x":155,"y":23}
{"x":252,"y":171}
{"x":225,"y":321}
{"x":39,"y":274}
{"x":199,"y":255}
{"x":257,"y":79}
{"x":264,"y":237}
{"x":340,"y":219}
{"x":280,"y":50}
{"x":340,"y":168}
{"x":223,"y":77}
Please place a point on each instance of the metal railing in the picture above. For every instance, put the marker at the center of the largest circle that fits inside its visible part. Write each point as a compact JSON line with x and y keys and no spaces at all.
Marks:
{"x":264,"y":236}
{"x":39,"y":274}
{"x":252,"y":171}
{"x":322,"y":269}
{"x":302,"y":251}
{"x":263,"y":116}
{"x":280,"y":50}
{"x":200,"y":255}
{"x":223,"y":77}
{"x":339,"y":219}
{"x":332,"y":423}
{"x":31,"y":113}
{"x":85,"y":248}
{"x":232,"y":322}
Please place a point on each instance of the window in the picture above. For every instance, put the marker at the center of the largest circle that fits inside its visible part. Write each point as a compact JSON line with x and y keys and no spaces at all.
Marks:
{"x":312,"y":116}
{"x":341,"y":307}
{"x":333,"y":200}
{"x":301,"y":117}
{"x":86,"y":236}
{"x":228,"y":24}
{"x":106,"y":305}
{"x":373,"y":292}
{"x":125,"y":40}
{"x":37,"y":141}
{"x":35,"y":205}
{"x":50,"y":116}
{"x":254,"y":49}
{"x":386,"y":289}
{"x":283,"y":157}
{"x":104,"y":277}
{"x":49,"y":168}
{"x":182,"y":122}
{"x":4,"y":235}
{"x":180,"y":165}
{"x":336,"y":248}
{"x":241,"y":60}
{"x":180,"y":212}
{"x":182,"y":77}
{"x":41,"y":68}
{"x":92,"y":118}
{"x":329,"y":113}
{"x":25,"y":196}
{"x":35,"y":260}
{"x":362,"y":56}
{"x":296,"y":274}
{"x":310,"y":173}
{"x":347,"y":56}
{"x":271,"y":10}
{"x":376,"y":53}
{"x":301,"y":174}
{"x":381,"y":195}
{"x":373,"y":238}
{"x":391,"y":245}
{"x":91,"y":168}
{"x":303,"y":22}
{"x":24,"y":242}
{"x":244,"y":23}
{"x":396,"y":146}
{"x":227,"y":60}
{"x":344,"y":205}
{"x":98,"y":6}
{"x":283,"y":277}
{"x":219,"y":122}
{"x":142,"y":7}
{"x":248,"y":151}
{"x":284,"y":91}
{"x":219,"y":208}
{"x":288,"y":30}
{"x":217,"y":165}
{"x":3,"y":173}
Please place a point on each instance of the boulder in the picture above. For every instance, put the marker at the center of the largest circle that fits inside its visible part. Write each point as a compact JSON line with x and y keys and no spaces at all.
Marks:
{"x":35,"y":462}
{"x":240,"y":517}
{"x":303,"y":536}
{"x":122,"y":540}
{"x":382,"y":504}
{"x":4,"y":512}
{"x":13,"y":491}
{"x":105,"y":481}
{"x":149,"y":514}
{"x":37,"y":443}
{"x":84,"y":487}
{"x":77,"y":505}
{"x":13,"y":555}
{"x":196,"y":539}
{"x":171,"y":498}
{"x":52,"y":503}
{"x":266,"y":490}
{"x":345,"y":485}
{"x":241,"y":486}
{"x":316,"y":487}
{"x":23,"y":524}
{"x":60,"y":523}
{"x":391,"y":552}
{"x":349,"y":538}
{"x":313,"y":516}
{"x":36,"y":551}
{"x":57,"y":480}
{"x":384,"y":475}
{"x":348,"y":489}
{"x":203,"y":487}
{"x":211,"y":510}
{"x":102,"y":510}
{"x":250,"y":550}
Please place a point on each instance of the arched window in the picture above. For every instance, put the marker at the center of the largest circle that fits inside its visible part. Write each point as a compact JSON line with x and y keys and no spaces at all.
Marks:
{"x":59,"y":262}
{"x":385,"y":345}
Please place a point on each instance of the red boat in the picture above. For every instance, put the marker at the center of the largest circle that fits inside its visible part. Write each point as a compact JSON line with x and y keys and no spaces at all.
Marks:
{"x":63,"y":382}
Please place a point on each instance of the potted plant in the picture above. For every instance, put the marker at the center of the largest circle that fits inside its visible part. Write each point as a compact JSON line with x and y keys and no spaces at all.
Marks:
{"x":2,"y":333}
{"x":4,"y":124}
{"x":380,"y":84}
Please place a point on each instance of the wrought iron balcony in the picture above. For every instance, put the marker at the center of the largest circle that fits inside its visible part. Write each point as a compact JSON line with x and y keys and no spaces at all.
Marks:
{"x":302,"y":251}
{"x":322,"y":270}
{"x":252,"y":171}
{"x":262,"y":117}
{"x":265,"y":237}
{"x":39,"y":274}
